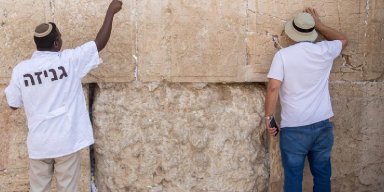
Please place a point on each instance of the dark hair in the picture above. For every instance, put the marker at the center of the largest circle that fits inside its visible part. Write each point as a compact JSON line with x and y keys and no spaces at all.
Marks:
{"x":47,"y":41}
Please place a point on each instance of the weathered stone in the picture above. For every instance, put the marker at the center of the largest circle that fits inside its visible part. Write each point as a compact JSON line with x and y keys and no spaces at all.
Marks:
{"x":194,"y":41}
{"x":16,"y":32}
{"x":191,"y":40}
{"x":79,"y":24}
{"x":180,"y":137}
{"x":156,"y":136}
{"x":13,"y":151}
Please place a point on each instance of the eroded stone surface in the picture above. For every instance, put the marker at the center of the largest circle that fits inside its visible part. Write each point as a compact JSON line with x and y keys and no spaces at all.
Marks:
{"x":194,"y":41}
{"x":180,"y":137}
{"x":17,"y":23}
{"x":13,"y":150}
{"x":192,"y":137}
{"x":80,"y":20}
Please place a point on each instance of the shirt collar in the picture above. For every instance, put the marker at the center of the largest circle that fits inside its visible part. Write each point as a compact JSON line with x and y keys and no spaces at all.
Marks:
{"x":45,"y":54}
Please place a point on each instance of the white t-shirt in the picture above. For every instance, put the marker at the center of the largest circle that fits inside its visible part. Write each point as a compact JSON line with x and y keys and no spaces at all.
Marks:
{"x":304,"y":69}
{"x":49,"y":87}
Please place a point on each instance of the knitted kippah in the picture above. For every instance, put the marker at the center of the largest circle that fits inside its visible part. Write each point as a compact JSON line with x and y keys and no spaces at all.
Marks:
{"x":43,"y":30}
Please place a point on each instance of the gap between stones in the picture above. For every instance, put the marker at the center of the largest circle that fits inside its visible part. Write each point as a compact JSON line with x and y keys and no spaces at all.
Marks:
{"x":91,"y":98}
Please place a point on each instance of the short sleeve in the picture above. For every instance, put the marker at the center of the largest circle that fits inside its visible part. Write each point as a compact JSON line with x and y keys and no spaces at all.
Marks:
{"x":13,"y":93}
{"x":85,"y":57}
{"x":277,"y":68}
{"x":331,"y":49}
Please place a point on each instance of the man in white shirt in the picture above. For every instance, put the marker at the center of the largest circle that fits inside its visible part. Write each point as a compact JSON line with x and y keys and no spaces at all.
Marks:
{"x":48,"y":85}
{"x":299,"y":75}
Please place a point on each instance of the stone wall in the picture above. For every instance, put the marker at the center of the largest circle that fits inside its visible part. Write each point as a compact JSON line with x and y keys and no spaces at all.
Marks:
{"x":180,"y":137}
{"x":13,"y":151}
{"x":181,"y":92}
{"x":193,"y":41}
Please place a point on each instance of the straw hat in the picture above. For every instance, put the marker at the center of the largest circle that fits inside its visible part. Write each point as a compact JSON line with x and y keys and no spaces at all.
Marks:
{"x":301,"y":28}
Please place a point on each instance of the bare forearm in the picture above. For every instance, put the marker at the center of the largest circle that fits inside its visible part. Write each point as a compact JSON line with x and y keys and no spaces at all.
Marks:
{"x":273,"y":89}
{"x":104,"y":32}
{"x":329,"y":33}
{"x":271,"y":100}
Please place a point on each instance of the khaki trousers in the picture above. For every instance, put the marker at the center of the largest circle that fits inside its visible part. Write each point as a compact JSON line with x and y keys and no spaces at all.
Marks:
{"x":65,"y":169}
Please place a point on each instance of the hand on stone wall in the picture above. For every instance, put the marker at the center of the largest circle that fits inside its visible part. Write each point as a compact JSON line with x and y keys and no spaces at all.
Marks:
{"x":328,"y":32}
{"x":104,"y":33}
{"x":115,"y":6}
{"x":314,"y":14}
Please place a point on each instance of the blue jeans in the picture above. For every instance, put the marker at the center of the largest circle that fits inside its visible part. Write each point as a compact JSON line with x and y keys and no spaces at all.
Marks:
{"x":314,"y":141}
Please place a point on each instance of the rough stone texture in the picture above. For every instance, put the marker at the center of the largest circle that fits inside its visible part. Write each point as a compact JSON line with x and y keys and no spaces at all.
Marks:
{"x":145,"y":138}
{"x":225,"y":41}
{"x":196,"y":137}
{"x":81,"y":23}
{"x":194,"y":41}
{"x":16,"y":32}
{"x":13,"y":151}
{"x":275,"y":167}
{"x":363,"y":23}
{"x":180,"y":137}
{"x":78,"y":24}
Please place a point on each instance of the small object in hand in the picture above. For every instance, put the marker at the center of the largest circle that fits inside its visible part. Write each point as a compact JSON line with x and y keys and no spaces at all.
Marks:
{"x":273,"y":124}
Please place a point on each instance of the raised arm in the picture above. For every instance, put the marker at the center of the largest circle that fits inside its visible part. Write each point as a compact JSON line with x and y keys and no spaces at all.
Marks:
{"x":327,"y":32}
{"x":105,"y":30}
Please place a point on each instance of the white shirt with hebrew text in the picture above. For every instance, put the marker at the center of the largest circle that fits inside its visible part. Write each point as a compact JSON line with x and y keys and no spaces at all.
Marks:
{"x":49,"y":88}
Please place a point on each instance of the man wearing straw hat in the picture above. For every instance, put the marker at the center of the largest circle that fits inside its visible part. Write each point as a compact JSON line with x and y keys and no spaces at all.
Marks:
{"x":49,"y":87}
{"x":299,"y":76}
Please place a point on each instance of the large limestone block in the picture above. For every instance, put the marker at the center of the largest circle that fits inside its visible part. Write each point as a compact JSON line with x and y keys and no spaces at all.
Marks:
{"x":13,"y":150}
{"x":194,"y":41}
{"x":358,"y":156}
{"x":14,"y":163}
{"x":191,"y":40}
{"x":362,"y":22}
{"x":193,"y":50}
{"x":180,"y":137}
{"x":17,"y":22}
{"x":275,"y":170}
{"x":80,"y":20}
